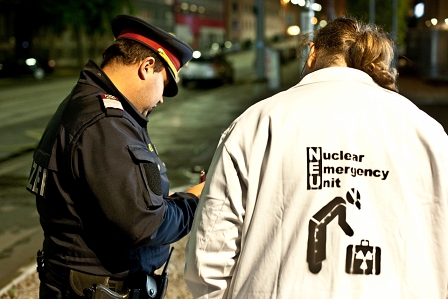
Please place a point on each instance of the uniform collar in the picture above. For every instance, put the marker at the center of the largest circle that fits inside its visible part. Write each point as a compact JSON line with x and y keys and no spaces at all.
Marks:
{"x":92,"y":72}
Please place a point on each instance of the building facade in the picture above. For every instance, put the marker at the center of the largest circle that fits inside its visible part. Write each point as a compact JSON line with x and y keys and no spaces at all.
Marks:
{"x":202,"y":23}
{"x":158,"y":12}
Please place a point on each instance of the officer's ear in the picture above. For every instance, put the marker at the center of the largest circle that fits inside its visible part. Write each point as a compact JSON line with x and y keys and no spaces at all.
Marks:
{"x":146,"y":67}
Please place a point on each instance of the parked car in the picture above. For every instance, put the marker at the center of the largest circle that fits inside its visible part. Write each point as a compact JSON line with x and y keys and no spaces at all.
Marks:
{"x":211,"y":68}
{"x":22,"y":67}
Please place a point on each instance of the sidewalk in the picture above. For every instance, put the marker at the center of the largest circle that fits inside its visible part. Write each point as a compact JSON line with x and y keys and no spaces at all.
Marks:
{"x":423,"y":92}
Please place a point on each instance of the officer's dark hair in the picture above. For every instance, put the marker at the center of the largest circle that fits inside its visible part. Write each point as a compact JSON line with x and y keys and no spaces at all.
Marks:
{"x":363,"y":46}
{"x":128,"y":52}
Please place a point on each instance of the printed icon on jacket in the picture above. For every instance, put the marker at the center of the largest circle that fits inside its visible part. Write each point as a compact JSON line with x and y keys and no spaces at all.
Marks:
{"x":363,"y":259}
{"x":317,"y":228}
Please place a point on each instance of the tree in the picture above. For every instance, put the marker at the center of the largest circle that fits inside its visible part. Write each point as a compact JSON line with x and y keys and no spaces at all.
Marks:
{"x":19,"y":16}
{"x":89,"y":18}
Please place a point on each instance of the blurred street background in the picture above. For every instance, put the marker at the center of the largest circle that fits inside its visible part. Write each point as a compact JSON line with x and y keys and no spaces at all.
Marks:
{"x":43,"y":45}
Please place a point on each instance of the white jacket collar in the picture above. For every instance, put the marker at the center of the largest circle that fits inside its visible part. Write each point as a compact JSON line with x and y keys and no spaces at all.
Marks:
{"x":337,"y":74}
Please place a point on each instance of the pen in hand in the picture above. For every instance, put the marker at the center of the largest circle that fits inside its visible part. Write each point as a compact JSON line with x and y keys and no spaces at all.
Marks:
{"x":202,"y":176}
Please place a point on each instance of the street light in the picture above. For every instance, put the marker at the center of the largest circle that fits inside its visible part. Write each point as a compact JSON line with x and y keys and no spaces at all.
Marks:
{"x":293,"y":30}
{"x":419,"y":10}
{"x":316,"y":7}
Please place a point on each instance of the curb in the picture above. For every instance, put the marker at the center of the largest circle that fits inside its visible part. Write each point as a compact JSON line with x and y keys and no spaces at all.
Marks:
{"x":26,"y":273}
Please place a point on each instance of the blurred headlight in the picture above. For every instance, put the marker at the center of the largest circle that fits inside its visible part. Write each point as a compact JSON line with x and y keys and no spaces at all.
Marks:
{"x":30,"y":61}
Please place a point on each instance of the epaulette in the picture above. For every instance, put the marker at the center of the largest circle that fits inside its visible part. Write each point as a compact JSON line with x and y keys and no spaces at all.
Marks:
{"x":112,"y":105}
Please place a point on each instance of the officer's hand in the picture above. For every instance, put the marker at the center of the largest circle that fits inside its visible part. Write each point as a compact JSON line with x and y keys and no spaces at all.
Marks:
{"x":196,"y":189}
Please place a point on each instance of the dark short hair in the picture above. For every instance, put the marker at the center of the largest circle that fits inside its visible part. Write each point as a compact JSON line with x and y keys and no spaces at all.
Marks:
{"x":128,"y":52}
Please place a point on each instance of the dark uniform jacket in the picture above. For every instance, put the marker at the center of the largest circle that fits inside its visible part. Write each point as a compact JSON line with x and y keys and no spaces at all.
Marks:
{"x":101,"y":189}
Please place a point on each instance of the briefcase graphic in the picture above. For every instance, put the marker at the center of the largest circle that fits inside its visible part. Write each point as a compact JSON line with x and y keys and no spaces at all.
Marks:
{"x":363,"y":259}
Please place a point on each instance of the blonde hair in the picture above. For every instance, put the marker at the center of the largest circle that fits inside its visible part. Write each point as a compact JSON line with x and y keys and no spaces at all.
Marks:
{"x":363,"y":46}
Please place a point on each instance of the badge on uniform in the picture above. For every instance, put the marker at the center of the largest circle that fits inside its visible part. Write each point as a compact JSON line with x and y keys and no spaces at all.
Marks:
{"x":112,"y":105}
{"x":152,"y":148}
{"x":37,"y":180}
{"x":363,"y":259}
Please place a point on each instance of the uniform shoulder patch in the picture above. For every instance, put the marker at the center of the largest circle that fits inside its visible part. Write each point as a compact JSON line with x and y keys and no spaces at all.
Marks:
{"x":112,"y":105}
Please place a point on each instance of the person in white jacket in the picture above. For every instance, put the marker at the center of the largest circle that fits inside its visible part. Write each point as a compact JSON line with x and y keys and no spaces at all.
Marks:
{"x":334,"y":188}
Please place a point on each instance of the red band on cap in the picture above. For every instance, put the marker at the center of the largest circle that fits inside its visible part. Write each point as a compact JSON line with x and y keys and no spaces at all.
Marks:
{"x":152,"y":44}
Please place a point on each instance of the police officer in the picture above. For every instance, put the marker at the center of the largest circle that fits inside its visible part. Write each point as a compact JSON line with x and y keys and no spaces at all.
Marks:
{"x":101,"y":190}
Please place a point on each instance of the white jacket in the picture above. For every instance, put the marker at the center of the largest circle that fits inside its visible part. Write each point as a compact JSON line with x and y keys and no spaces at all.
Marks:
{"x":335,"y":188}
